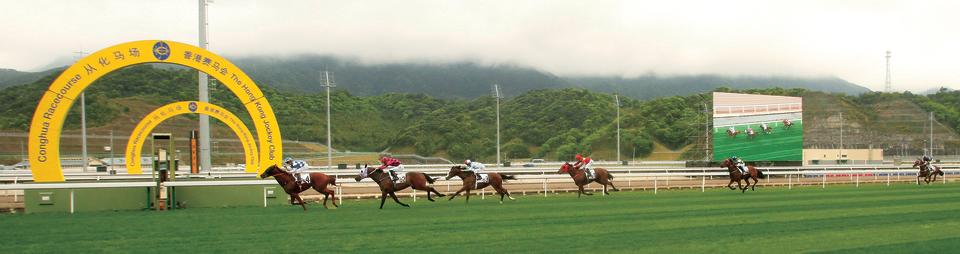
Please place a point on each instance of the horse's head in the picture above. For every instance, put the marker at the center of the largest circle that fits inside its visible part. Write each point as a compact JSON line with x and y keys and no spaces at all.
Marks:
{"x":726,"y":163}
{"x":565,"y":168}
{"x":918,"y":162}
{"x":455,"y":171}
{"x":271,"y":171}
{"x":365,"y":172}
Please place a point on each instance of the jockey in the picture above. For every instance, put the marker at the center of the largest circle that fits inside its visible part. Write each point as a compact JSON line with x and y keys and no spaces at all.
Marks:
{"x":477,"y":169}
{"x":749,"y":130}
{"x":732,"y":129}
{"x":926,"y":162}
{"x":585,"y":163}
{"x":391,"y":165}
{"x":764,"y":127}
{"x":295,"y":167}
{"x":739,"y":163}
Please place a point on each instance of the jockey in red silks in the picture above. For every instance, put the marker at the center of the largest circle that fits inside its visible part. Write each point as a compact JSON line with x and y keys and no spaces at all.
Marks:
{"x":391,"y":165}
{"x":585,"y":163}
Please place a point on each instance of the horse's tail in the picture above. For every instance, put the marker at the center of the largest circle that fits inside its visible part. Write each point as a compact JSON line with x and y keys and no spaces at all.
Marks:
{"x":941,"y":172}
{"x":333,"y":181}
{"x":609,"y":176}
{"x":507,"y":177}
{"x":760,"y":174}
{"x":429,"y":179}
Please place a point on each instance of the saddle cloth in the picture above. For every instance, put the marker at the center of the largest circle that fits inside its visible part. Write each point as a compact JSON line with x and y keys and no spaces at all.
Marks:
{"x":401,"y":177}
{"x":305,"y":177}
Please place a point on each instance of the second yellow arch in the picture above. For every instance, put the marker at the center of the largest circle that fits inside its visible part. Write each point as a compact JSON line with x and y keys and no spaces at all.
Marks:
{"x":146,"y":125}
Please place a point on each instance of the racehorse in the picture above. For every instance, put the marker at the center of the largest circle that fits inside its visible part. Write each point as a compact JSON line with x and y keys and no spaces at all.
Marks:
{"x":580,"y":178}
{"x":751,"y":134}
{"x":733,"y":134}
{"x":470,"y":182}
{"x":318,"y":181}
{"x":766,"y":129}
{"x":417,"y":180}
{"x":736,"y":176}
{"x":926,"y":173}
{"x":787,"y":124}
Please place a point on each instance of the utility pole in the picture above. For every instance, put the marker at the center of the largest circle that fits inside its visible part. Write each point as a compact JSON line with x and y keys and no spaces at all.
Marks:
{"x":887,"y":84}
{"x":706,"y":133}
{"x":616,"y":99}
{"x":203,"y":85}
{"x":841,"y":135}
{"x":931,"y":134}
{"x":328,"y":83}
{"x":83,"y":122}
{"x":497,"y":95}
{"x":113,"y":160}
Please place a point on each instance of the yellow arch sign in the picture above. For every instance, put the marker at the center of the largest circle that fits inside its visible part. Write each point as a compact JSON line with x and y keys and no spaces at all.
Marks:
{"x":45,"y":128}
{"x":143,"y":129}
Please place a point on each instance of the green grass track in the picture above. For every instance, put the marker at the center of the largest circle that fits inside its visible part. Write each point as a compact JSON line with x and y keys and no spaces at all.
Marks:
{"x":871,"y":219}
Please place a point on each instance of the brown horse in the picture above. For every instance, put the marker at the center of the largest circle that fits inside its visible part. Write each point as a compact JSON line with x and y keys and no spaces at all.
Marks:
{"x":736,"y":176}
{"x":417,"y":180}
{"x":766,"y":129}
{"x":733,"y":134}
{"x":787,"y":124}
{"x":926,"y":173}
{"x":580,"y":178}
{"x":751,"y":133}
{"x":318,"y":181}
{"x":470,"y":182}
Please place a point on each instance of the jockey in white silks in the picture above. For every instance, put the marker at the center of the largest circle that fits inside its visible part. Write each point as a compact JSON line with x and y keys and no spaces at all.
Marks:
{"x":477,"y":169}
{"x":740,"y":165}
{"x":732,"y":130}
{"x":764,"y":127}
{"x":295,"y":167}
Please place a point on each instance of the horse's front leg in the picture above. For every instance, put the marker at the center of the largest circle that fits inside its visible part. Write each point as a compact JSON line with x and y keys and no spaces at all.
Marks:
{"x":395,"y":199}
{"x":383,"y":198}
{"x":303,"y":204}
{"x":455,"y":194}
{"x":730,"y":185}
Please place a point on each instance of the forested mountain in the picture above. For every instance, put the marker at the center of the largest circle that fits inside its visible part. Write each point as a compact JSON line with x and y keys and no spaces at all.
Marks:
{"x":10,"y":77}
{"x":470,"y":80}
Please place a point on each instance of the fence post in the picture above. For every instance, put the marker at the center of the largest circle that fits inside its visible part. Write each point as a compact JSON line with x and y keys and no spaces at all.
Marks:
{"x":629,"y":178}
{"x":703,"y":183}
{"x":668,"y":177}
{"x":858,"y":180}
{"x":655,"y":185}
{"x":340,"y":195}
{"x":824,"y":184}
{"x":483,"y":194}
{"x":414,"y":194}
{"x":888,"y":178}
{"x":789,"y":182}
{"x":544,"y":187}
{"x":71,"y":201}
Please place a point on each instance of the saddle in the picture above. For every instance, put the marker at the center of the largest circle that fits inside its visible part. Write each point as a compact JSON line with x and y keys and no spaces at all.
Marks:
{"x":304,"y":178}
{"x":400,"y":178}
{"x":481,"y":178}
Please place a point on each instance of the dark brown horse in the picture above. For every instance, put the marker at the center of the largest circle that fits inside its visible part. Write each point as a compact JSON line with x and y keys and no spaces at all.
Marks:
{"x":417,"y":180}
{"x":580,"y":178}
{"x":751,"y":133}
{"x":733,"y":134}
{"x":318,"y":181}
{"x":927,"y":173}
{"x":736,"y":176}
{"x":787,"y":124}
{"x":470,"y":182}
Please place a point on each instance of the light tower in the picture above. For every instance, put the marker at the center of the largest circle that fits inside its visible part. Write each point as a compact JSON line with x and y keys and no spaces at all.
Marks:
{"x":888,"y":87}
{"x":328,"y":83}
{"x":204,"y":137}
{"x":497,"y":95}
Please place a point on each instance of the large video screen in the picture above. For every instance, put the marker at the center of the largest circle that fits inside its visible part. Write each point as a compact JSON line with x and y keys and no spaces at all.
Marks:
{"x":757,"y":127}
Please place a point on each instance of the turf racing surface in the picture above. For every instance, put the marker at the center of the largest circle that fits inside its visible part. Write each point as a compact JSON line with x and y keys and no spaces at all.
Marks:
{"x":841,"y":218}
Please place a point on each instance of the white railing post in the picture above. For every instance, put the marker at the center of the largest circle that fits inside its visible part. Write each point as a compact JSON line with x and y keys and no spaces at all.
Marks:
{"x":703,"y":183}
{"x":544,"y":186}
{"x":858,"y":180}
{"x":824,"y":184}
{"x":888,"y":178}
{"x":655,"y":185}
{"x":789,"y":182}
{"x":414,"y":195}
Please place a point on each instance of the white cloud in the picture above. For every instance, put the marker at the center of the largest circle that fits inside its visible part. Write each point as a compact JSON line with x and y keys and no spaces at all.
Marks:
{"x":846,"y":39}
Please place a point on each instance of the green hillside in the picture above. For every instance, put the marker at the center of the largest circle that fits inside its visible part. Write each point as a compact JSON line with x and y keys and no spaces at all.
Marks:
{"x":543,"y":123}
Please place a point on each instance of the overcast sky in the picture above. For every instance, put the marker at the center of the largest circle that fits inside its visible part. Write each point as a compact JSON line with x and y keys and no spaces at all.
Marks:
{"x":846,"y":39}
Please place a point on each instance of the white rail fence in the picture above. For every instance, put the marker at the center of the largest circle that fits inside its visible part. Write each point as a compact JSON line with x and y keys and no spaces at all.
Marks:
{"x":644,"y":178}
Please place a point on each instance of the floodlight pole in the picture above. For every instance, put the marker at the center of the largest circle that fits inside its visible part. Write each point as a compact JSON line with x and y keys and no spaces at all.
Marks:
{"x":931,"y":133}
{"x":841,"y":136}
{"x":83,"y":122}
{"x":203,"y":85}
{"x":328,"y":84}
{"x":497,"y":96}
{"x":616,"y":99}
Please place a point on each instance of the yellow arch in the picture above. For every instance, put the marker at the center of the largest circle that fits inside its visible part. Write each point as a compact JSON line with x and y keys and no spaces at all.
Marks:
{"x":146,"y":125}
{"x":45,"y":128}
